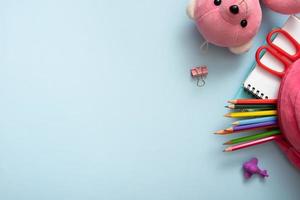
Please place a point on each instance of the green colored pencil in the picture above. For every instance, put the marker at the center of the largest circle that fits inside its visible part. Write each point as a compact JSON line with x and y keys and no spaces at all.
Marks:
{"x":252,"y":106}
{"x":253,"y":137}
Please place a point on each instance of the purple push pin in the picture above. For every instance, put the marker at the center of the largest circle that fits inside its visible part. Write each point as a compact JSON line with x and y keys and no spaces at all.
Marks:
{"x":250,"y":167}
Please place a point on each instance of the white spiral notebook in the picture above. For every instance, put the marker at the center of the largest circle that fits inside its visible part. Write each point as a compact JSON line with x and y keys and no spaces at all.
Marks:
{"x":262,"y":84}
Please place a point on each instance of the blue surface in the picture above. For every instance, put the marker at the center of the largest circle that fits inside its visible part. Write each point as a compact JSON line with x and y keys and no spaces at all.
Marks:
{"x":97,"y":103}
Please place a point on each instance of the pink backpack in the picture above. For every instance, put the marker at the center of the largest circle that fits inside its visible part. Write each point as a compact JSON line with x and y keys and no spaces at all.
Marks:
{"x":289,"y":113}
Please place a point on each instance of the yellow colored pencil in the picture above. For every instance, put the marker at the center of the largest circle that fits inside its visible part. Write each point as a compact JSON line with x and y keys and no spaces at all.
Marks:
{"x":252,"y":114}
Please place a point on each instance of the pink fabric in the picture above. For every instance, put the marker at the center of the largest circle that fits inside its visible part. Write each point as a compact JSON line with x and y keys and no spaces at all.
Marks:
{"x":289,"y":113}
{"x":223,"y":28}
{"x":284,"y":6}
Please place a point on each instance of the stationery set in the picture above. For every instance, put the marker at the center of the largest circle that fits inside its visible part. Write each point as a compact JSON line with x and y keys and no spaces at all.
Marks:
{"x":268,"y":102}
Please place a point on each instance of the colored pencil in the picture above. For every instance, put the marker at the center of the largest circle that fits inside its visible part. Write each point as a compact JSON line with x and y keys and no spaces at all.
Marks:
{"x":253,"y":137}
{"x":254,"y":120}
{"x":252,"y":126}
{"x":252,"y":143}
{"x":253,"y":101}
{"x":252,"y":106}
{"x":230,"y":131}
{"x":252,"y":114}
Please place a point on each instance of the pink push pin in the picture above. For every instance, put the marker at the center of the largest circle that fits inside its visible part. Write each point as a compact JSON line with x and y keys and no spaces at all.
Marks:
{"x":200,"y":73}
{"x":250,"y":167}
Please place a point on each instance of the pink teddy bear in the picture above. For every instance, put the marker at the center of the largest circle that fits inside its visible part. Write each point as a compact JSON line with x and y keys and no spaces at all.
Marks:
{"x":234,"y":23}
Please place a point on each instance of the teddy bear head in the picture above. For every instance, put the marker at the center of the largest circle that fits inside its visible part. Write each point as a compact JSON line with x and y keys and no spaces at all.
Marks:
{"x":227,"y":23}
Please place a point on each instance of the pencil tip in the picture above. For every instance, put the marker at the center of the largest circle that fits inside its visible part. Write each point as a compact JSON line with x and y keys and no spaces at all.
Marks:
{"x":231,"y":106}
{"x":227,"y":115}
{"x":227,"y":150}
{"x":231,"y":101}
{"x":235,"y":123}
{"x":229,"y":129}
{"x":227,"y":143}
{"x":219,"y":132}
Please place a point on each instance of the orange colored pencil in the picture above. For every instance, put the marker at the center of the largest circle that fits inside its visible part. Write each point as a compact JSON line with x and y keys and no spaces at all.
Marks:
{"x":253,"y":101}
{"x":252,"y":143}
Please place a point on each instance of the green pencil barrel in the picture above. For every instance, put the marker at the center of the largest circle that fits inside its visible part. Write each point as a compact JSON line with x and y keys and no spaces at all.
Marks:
{"x":254,"y":137}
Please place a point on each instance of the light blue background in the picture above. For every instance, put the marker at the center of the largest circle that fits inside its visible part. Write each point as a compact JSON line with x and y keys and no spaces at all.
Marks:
{"x":96,"y":102}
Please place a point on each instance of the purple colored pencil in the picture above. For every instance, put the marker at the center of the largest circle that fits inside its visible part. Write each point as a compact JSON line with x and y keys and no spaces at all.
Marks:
{"x":254,"y":126}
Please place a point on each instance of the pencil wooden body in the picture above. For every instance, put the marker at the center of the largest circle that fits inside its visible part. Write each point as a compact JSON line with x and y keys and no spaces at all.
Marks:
{"x":253,"y":101}
{"x":230,"y":130}
{"x":253,"y":126}
{"x":255,"y":120}
{"x":252,"y":106}
{"x":252,"y":143}
{"x":252,"y":114}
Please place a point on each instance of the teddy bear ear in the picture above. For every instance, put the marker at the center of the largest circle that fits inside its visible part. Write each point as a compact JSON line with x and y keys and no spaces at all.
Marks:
{"x":191,"y":9}
{"x":241,"y":49}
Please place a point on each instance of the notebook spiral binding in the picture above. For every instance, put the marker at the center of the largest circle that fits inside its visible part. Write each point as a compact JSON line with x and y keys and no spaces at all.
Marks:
{"x":255,"y":92}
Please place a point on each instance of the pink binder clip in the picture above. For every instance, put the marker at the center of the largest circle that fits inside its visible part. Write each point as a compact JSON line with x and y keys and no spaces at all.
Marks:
{"x":200,"y":73}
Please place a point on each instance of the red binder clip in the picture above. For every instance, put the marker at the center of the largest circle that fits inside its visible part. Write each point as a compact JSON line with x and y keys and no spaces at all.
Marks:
{"x":200,"y":73}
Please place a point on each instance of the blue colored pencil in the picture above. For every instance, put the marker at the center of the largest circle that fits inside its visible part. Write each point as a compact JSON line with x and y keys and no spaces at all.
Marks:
{"x":255,"y":120}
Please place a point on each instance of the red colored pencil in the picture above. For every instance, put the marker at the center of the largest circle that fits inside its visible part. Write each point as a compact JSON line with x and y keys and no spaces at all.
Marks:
{"x":253,"y":101}
{"x":252,"y":143}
